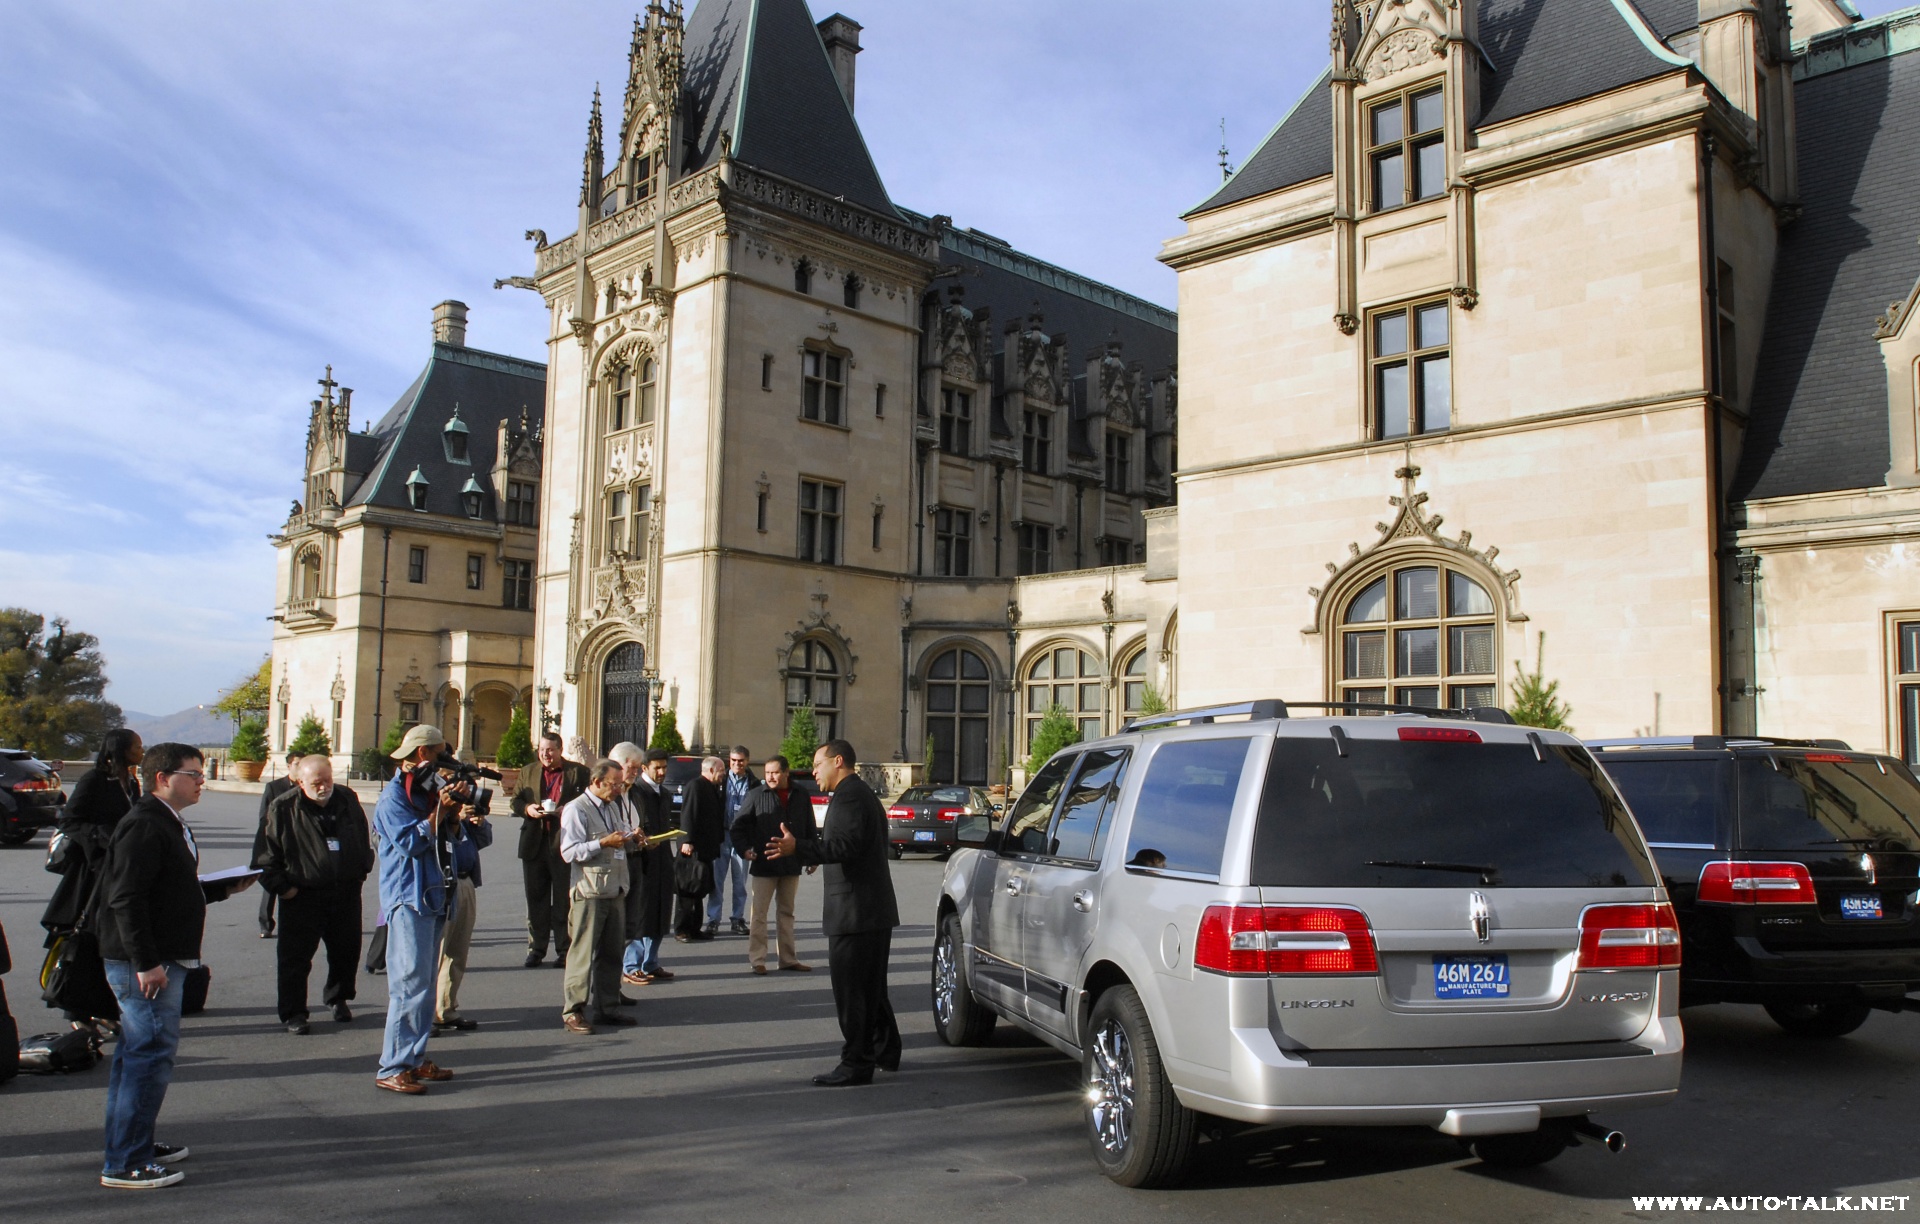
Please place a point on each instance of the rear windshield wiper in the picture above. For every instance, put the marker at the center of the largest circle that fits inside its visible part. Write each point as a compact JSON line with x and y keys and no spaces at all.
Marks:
{"x":1488,"y":873}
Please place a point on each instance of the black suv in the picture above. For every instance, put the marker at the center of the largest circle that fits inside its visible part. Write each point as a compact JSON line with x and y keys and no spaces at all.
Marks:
{"x":30,"y":796}
{"x":1794,"y":866}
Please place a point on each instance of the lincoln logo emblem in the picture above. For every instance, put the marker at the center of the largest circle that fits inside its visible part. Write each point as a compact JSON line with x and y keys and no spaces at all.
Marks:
{"x":1478,"y":916}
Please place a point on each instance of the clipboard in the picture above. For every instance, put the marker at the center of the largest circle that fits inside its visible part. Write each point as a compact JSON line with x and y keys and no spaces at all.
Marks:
{"x":230,"y":875}
{"x":669,"y":835}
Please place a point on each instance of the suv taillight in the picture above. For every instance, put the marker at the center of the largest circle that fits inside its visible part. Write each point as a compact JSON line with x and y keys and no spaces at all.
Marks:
{"x":1629,"y":937}
{"x":951,"y":813}
{"x":1269,"y":939}
{"x":34,"y":784}
{"x":1756,"y":884}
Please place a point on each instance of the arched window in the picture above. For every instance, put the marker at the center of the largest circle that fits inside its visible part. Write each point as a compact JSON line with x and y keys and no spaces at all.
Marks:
{"x":1070,"y":679}
{"x":624,"y":689}
{"x":1420,"y":635}
{"x":1134,"y":684}
{"x":813,"y":678}
{"x":958,"y":690}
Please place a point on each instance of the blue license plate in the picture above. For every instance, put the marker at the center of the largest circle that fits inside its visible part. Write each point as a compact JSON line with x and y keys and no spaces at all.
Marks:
{"x":1470,"y":977}
{"x":927,"y":835}
{"x":1860,"y":907}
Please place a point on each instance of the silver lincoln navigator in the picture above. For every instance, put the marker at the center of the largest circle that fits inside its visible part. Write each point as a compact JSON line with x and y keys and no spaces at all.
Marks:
{"x":1379,"y":918}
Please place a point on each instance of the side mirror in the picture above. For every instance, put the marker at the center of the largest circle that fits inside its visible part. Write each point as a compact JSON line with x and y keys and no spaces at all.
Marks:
{"x":977,"y":833}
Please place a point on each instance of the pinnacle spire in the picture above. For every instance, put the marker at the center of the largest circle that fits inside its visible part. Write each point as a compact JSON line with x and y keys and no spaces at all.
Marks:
{"x":594,"y":167}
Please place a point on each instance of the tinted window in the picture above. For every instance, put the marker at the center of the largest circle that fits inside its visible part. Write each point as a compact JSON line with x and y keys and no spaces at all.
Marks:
{"x":935,"y":794}
{"x":1185,"y":803}
{"x":1391,"y":814}
{"x":1674,"y":801}
{"x":1027,"y":823}
{"x":1826,"y":803}
{"x":1077,"y":829}
{"x":682,"y":770}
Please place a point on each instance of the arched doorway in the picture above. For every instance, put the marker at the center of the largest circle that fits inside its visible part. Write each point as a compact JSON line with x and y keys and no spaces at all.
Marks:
{"x":623,"y":697}
{"x":958,"y":689}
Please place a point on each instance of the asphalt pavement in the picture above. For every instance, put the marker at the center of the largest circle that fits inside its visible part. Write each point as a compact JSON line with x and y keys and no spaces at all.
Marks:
{"x":705,"y":1112}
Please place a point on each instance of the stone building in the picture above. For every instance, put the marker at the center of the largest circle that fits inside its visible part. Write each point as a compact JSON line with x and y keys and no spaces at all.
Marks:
{"x":802,"y":443}
{"x":1603,"y":287}
{"x":405,"y":571}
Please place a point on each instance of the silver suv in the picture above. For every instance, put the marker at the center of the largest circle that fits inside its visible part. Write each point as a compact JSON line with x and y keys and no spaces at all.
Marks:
{"x":1386,"y":920}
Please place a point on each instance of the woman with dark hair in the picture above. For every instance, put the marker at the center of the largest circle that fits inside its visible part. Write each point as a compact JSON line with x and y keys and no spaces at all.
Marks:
{"x":100,"y":797}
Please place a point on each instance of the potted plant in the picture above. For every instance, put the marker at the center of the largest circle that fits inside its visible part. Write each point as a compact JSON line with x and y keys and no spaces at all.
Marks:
{"x":248,"y":752}
{"x":515,"y":751}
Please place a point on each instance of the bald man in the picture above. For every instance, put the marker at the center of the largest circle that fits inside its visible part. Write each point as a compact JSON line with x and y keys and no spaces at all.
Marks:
{"x":315,"y":853}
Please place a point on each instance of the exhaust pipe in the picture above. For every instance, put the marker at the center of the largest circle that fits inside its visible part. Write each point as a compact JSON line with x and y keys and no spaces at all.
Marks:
{"x":1612,"y":1140}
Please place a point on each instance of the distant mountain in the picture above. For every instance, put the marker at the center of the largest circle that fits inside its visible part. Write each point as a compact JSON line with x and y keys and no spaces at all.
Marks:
{"x":194,"y":725}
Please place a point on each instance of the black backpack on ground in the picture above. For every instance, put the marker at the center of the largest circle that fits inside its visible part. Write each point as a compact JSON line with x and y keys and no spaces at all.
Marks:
{"x":57,"y":1053}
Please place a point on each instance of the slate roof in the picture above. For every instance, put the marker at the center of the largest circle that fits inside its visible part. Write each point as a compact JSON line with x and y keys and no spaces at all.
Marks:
{"x":488,"y":388}
{"x":1544,"y":53}
{"x":1819,"y":406}
{"x":758,"y":69}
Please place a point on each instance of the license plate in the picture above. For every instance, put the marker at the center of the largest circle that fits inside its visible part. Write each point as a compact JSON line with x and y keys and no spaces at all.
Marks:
{"x":1470,"y":977}
{"x":1860,"y":907}
{"x":927,"y":835}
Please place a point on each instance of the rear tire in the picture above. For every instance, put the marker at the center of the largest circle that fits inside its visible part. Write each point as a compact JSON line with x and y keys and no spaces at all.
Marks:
{"x":1524,"y":1151}
{"x":15,"y":834}
{"x":1819,"y":1020}
{"x":894,"y":852}
{"x":1142,"y":1136}
{"x":958,"y":1017}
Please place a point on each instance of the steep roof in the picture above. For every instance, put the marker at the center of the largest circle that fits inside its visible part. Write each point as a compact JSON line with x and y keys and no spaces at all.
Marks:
{"x":1819,"y":406}
{"x":1543,"y":53}
{"x":487,"y":387}
{"x":757,"y":69}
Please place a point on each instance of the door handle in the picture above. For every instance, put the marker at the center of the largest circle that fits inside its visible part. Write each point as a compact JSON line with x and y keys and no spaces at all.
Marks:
{"x":1013,"y":888}
{"x":1083,"y":901}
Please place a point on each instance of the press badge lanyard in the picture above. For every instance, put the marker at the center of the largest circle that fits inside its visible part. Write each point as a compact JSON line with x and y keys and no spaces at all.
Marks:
{"x":619,"y":853}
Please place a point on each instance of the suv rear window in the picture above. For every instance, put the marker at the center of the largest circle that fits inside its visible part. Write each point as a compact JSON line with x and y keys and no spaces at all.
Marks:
{"x":1791,"y":803}
{"x":1677,"y":802}
{"x":1392,"y":814}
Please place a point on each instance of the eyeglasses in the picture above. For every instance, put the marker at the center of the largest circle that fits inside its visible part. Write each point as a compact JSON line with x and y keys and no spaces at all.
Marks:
{"x":195,"y":774}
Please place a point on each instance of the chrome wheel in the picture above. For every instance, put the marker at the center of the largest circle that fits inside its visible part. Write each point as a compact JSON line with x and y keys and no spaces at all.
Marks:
{"x":946,"y":982}
{"x":1110,"y":1088}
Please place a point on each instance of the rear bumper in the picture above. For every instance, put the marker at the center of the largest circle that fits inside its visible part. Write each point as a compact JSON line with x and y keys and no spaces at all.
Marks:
{"x":34,"y":810}
{"x":903,"y":837}
{"x":1266,"y":1084}
{"x":1809,"y":976}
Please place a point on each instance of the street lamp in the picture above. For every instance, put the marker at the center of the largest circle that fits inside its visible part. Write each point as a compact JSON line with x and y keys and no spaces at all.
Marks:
{"x":541,"y":693}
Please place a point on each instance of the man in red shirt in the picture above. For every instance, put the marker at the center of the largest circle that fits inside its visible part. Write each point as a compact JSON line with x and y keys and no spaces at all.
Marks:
{"x":775,"y":882}
{"x":552,"y":787}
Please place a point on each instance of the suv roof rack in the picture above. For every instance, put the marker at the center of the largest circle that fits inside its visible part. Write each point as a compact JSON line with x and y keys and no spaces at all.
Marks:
{"x":1273,"y":707}
{"x":1716,"y":743}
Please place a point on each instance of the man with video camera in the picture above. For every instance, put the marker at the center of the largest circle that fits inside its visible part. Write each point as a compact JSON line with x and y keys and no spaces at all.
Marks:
{"x":416,"y":896}
{"x":465,"y":838}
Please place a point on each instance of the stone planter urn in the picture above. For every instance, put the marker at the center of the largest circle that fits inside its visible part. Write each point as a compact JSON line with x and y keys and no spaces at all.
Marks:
{"x":249,"y":771}
{"x":509,"y":781}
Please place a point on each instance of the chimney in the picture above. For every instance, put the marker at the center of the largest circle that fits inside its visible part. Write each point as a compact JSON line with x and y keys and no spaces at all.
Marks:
{"x":841,"y":34}
{"x":450,"y":324}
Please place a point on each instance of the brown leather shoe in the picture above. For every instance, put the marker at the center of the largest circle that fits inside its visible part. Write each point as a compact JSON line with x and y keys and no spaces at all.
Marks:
{"x":428,"y":1071}
{"x":403,"y":1082}
{"x":759,"y":968}
{"x":637,"y":979}
{"x":574,"y":1022}
{"x":663,"y":975}
{"x":797,"y":967}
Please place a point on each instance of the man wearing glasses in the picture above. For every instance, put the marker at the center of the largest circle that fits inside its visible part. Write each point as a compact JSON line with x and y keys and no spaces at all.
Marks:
{"x":733,"y":789}
{"x":152,"y":913}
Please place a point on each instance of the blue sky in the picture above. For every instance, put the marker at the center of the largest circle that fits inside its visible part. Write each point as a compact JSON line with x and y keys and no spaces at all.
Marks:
{"x":207,"y":202}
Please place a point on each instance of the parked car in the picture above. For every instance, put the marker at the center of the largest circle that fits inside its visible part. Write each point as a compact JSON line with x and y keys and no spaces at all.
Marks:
{"x":925,"y":817}
{"x":1794,"y":868}
{"x":30,"y":796}
{"x":1435,"y":920}
{"x":681,"y":771}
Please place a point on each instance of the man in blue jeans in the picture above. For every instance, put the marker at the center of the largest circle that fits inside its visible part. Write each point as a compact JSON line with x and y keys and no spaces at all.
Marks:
{"x":416,"y":901}
{"x":733,"y":789}
{"x":152,"y":913}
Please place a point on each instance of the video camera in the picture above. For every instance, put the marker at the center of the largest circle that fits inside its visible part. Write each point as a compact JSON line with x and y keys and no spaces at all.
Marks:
{"x":473,"y":777}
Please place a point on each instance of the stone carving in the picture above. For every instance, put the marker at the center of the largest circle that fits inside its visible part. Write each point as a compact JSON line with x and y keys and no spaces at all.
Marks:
{"x":963,"y":340}
{"x":1405,"y":48}
{"x":1042,"y":368}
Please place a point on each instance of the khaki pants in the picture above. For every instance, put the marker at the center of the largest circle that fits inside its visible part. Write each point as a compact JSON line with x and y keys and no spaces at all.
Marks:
{"x":596,"y":931}
{"x":781,"y":890}
{"x":453,"y":950}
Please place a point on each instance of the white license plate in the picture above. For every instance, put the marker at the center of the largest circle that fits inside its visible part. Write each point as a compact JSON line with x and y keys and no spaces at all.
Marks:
{"x":1470,"y":977}
{"x":923,"y":835}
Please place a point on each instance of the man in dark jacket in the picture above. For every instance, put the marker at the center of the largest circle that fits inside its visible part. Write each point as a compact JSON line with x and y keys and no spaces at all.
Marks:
{"x":649,"y":905}
{"x":268,"y":793}
{"x":767,"y":809}
{"x":702,"y":815}
{"x":858,"y":914}
{"x":557,"y":783}
{"x":152,"y":913}
{"x":315,"y":852}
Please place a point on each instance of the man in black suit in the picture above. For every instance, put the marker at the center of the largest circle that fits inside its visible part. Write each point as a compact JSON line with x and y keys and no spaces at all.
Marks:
{"x":858,"y":914}
{"x":268,"y":793}
{"x":538,"y":803}
{"x":703,"y":816}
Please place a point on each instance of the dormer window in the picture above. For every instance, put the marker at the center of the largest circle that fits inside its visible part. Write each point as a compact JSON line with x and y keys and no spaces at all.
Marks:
{"x":473,"y":498}
{"x":417,"y":489}
{"x":455,"y":437}
{"x":1407,"y":148}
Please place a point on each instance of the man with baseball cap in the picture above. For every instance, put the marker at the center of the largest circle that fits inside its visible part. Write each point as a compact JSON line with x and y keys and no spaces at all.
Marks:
{"x":416,"y":899}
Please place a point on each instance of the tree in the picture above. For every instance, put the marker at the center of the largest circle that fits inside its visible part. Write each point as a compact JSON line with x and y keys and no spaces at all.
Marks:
{"x":52,"y":688}
{"x":1536,"y":700}
{"x":251,"y":695}
{"x":666,"y":733}
{"x":311,"y":739}
{"x":1055,"y":732}
{"x":516,"y":742}
{"x":1151,"y":702}
{"x":803,"y":736}
{"x":249,"y":741}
